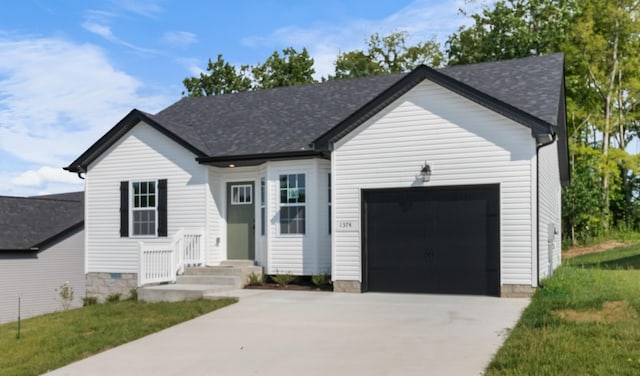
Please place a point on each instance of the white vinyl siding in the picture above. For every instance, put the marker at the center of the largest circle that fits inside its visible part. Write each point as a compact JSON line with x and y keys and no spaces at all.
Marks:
{"x":463,"y":142}
{"x":143,"y":154}
{"x":298,"y":254}
{"x":34,"y":277}
{"x":549,"y":243}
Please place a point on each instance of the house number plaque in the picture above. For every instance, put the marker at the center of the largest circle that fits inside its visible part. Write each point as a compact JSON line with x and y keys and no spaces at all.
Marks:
{"x":348,"y":225}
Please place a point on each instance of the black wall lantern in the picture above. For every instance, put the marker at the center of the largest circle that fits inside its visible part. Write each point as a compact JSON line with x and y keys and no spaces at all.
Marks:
{"x":425,"y":172}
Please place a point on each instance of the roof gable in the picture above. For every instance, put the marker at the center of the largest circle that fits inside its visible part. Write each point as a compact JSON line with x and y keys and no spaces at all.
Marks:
{"x":297,"y":120}
{"x":187,"y":139}
{"x":34,"y":223}
{"x":421,"y":73}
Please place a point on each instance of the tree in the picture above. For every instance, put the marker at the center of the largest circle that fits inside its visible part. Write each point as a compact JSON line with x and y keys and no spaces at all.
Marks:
{"x":292,"y":68}
{"x":389,"y":54}
{"x":511,"y":29}
{"x":223,"y":78}
{"x":603,"y":44}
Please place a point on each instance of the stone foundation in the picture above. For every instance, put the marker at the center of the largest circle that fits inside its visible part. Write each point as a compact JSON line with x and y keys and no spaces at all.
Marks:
{"x":516,"y":291}
{"x":347,"y":286}
{"x":101,"y":285}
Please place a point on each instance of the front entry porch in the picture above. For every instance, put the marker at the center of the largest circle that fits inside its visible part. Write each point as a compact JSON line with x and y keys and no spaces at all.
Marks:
{"x":176,"y":271}
{"x":203,"y":282}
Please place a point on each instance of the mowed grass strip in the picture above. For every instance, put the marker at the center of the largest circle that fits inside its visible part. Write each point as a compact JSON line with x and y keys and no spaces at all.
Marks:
{"x":51,"y":341}
{"x":619,"y":258}
{"x":585,"y":321}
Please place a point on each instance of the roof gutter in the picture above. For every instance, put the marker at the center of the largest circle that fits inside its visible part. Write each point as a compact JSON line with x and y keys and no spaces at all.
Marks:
{"x":249,"y":158}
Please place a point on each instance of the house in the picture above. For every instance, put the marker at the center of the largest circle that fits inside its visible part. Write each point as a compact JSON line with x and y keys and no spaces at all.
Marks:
{"x":444,"y":181}
{"x":41,"y":248}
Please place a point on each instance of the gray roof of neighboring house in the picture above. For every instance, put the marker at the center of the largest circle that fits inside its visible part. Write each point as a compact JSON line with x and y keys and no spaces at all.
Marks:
{"x":34,"y":223}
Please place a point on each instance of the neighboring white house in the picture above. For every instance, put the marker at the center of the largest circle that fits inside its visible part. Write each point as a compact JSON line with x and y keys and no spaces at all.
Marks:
{"x":41,"y":249}
{"x":433,"y":181}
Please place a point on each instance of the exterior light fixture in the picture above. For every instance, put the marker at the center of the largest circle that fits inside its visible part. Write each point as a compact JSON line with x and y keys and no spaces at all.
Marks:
{"x":425,"y":172}
{"x":232,"y":165}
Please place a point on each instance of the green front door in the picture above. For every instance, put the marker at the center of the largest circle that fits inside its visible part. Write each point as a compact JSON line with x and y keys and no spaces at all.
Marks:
{"x":240,"y":221}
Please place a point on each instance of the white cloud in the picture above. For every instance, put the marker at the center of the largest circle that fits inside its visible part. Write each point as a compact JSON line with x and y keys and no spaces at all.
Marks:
{"x":101,"y":30}
{"x":45,"y":175}
{"x":148,"y":8}
{"x":180,"y":39}
{"x":56,"y":99}
{"x":423,"y":19}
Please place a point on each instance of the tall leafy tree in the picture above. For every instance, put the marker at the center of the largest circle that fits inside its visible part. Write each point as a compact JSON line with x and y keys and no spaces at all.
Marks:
{"x":221,"y":78}
{"x":511,"y":29}
{"x":604,"y":46}
{"x":290,"y":68}
{"x":387,"y":54}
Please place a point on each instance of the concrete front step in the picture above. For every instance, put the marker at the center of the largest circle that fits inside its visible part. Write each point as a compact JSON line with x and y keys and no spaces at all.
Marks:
{"x":220,"y":280}
{"x":208,"y":282}
{"x":182,"y":292}
{"x":240,"y":263}
{"x":223,"y":270}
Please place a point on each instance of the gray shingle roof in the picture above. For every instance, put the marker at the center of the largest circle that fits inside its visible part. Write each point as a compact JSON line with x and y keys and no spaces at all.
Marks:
{"x":530,"y":84}
{"x":269,"y":121}
{"x":288,"y":119}
{"x":30,"y":222}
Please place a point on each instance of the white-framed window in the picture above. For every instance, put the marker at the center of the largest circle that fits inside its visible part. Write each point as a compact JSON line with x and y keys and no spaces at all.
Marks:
{"x":263,"y":209}
{"x":292,"y":204}
{"x":144,"y":208}
{"x":241,"y":194}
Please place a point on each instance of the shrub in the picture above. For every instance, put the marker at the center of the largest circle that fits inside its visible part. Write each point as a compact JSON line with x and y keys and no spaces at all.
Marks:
{"x":89,"y":300}
{"x":66,"y":295}
{"x":255,"y":279}
{"x":115,"y":297}
{"x":283,"y":279}
{"x":133,"y":294}
{"x":321,"y":279}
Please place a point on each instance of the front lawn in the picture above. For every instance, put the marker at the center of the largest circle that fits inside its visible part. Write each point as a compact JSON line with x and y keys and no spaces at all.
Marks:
{"x":619,"y":258}
{"x":51,"y":341}
{"x":585,"y":321}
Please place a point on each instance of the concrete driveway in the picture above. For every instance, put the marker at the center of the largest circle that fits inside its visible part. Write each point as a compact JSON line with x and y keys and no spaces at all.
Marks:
{"x":317,"y":333}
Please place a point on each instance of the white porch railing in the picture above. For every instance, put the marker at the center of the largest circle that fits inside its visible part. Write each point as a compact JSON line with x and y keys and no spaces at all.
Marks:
{"x":162,"y":262}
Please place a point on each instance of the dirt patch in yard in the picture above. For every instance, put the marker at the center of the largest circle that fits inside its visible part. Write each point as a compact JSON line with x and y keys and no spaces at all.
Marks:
{"x":610,"y":312}
{"x":605,"y":246}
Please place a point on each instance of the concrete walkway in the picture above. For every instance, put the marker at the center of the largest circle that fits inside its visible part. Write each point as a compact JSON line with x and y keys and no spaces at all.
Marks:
{"x":318,"y":333}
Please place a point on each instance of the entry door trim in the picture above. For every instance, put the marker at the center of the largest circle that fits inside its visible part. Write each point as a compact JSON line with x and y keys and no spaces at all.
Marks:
{"x":228,"y":187}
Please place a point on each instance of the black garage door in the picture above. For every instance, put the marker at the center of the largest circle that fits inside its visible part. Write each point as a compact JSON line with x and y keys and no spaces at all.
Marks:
{"x":432,"y":240}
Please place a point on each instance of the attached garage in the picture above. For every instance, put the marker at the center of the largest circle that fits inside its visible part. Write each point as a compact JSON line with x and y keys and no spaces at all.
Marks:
{"x":432,"y":240}
{"x":450,"y":181}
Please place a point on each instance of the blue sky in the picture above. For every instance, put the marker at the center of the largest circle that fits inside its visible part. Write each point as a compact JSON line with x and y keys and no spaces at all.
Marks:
{"x":71,"y":69}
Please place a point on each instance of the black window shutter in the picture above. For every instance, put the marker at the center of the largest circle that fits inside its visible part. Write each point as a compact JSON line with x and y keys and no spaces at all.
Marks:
{"x":124,"y":209}
{"x":162,"y":207}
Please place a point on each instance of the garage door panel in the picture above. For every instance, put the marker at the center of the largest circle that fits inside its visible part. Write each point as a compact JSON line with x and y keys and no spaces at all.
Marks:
{"x":438,"y":240}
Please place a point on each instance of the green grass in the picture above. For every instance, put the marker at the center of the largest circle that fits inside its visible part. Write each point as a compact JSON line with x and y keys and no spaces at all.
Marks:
{"x":619,"y":258}
{"x":51,"y":341}
{"x":544,"y":344}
